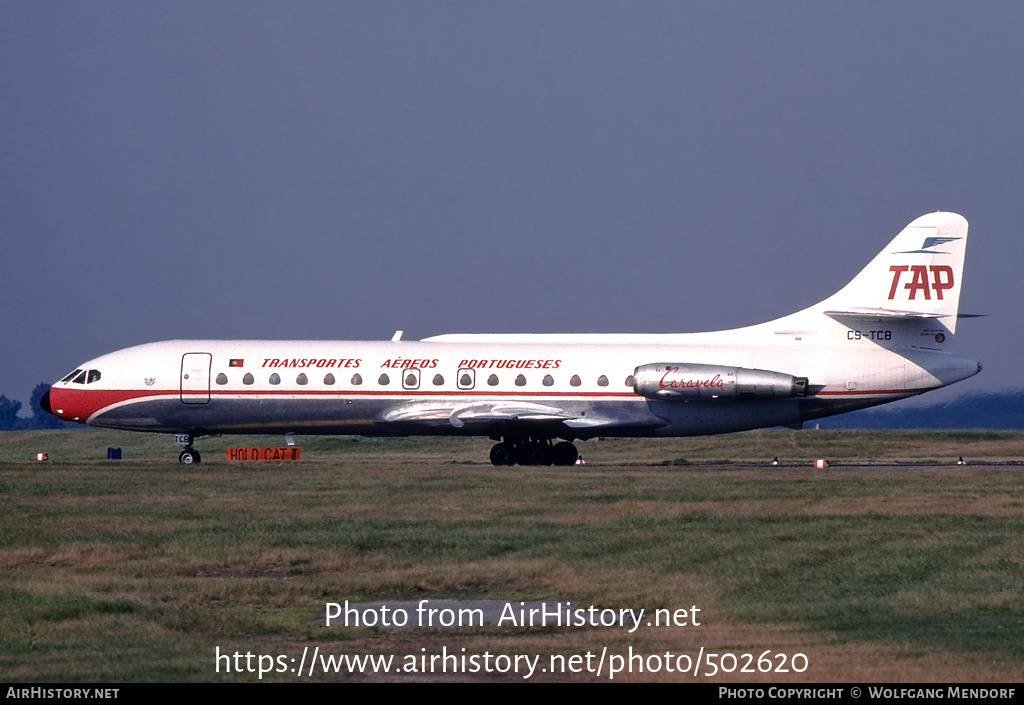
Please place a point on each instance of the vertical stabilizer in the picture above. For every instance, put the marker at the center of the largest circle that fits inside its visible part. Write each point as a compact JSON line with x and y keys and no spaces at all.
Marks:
{"x":917,"y":276}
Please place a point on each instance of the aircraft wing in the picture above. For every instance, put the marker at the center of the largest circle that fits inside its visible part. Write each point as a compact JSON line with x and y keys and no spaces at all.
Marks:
{"x":474,"y":412}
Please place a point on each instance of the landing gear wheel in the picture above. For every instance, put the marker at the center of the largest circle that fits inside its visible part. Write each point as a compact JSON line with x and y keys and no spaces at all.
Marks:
{"x":564,"y":454}
{"x":503,"y":454}
{"x":535,"y":454}
{"x":189,"y":456}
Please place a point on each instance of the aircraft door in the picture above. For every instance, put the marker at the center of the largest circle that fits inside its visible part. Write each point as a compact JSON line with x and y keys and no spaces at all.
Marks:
{"x":195,"y":378}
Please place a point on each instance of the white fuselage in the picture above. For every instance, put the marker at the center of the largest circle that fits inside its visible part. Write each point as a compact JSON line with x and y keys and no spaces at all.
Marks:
{"x":378,"y":387}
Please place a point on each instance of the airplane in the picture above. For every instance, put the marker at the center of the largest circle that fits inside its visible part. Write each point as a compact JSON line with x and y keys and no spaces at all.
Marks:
{"x":882,"y":337}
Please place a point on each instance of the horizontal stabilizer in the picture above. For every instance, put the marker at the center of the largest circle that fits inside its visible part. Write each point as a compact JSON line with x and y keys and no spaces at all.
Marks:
{"x":883,"y":314}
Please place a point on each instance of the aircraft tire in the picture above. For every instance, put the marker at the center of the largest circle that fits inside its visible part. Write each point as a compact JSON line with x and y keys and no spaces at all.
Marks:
{"x":564,"y":454}
{"x":503,"y":454}
{"x":189,"y":456}
{"x":535,"y":454}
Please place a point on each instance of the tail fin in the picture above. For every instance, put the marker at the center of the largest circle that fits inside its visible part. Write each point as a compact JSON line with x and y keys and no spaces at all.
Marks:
{"x":917,"y":276}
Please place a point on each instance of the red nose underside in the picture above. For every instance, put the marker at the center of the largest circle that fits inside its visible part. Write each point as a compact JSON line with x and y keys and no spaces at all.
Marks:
{"x":79,"y":404}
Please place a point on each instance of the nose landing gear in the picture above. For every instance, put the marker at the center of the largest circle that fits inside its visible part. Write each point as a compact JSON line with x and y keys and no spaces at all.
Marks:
{"x":189,"y":455}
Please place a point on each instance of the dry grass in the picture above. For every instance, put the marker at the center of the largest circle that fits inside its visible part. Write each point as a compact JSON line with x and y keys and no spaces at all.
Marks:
{"x":137,"y":570}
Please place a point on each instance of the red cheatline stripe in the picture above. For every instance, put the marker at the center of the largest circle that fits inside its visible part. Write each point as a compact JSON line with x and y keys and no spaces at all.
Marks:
{"x":114,"y":396}
{"x":87,"y":402}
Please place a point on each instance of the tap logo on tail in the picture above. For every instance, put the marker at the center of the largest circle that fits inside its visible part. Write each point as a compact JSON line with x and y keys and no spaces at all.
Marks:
{"x":942,"y":279}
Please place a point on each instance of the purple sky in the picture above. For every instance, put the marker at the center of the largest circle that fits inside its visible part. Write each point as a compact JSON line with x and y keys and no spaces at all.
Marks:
{"x":340,"y":170}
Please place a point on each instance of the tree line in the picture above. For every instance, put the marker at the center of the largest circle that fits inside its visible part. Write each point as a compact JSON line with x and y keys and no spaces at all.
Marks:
{"x":10,"y":421}
{"x":997,"y":411}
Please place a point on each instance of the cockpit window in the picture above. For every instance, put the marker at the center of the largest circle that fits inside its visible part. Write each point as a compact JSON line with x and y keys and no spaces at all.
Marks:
{"x":80,"y":379}
{"x":94,"y":376}
{"x":71,"y":376}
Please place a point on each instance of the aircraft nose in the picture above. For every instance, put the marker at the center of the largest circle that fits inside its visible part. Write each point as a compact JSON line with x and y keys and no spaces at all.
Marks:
{"x":45,"y":402}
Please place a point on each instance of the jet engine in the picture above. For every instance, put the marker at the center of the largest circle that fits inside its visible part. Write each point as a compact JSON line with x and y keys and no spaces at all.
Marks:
{"x":681,"y":381}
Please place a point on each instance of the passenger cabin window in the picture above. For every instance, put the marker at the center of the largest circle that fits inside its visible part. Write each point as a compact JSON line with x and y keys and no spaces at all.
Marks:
{"x":630,"y":382}
{"x":301,"y":379}
{"x":548,"y":380}
{"x":411,"y":378}
{"x":575,"y":380}
{"x":328,"y":378}
{"x":493,"y":380}
{"x":357,"y":379}
{"x":438,"y":380}
{"x":602,"y":381}
{"x":520,"y":381}
{"x":383,"y":380}
{"x":248,"y":379}
{"x":275,"y":378}
{"x":222,"y":378}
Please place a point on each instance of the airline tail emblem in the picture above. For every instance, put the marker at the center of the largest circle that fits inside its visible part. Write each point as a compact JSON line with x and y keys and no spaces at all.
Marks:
{"x":942,"y":279}
{"x":930,"y":242}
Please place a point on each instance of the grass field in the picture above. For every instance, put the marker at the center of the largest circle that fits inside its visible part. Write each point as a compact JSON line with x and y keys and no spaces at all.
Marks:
{"x":894,"y":564}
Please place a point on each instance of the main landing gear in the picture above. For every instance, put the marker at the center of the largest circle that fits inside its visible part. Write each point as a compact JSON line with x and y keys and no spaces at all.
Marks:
{"x":533,"y":452}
